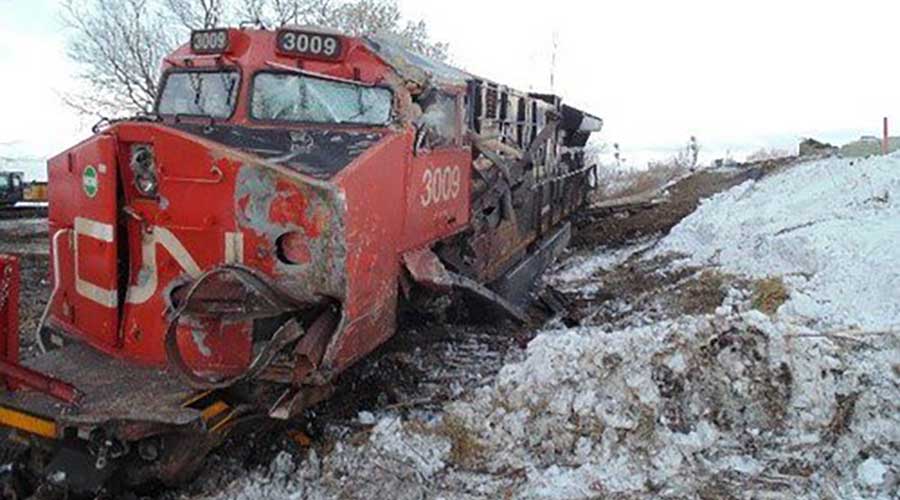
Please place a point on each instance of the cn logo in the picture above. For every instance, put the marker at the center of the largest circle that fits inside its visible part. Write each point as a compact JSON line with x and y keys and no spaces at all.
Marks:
{"x":147,"y":281}
{"x":441,"y":184}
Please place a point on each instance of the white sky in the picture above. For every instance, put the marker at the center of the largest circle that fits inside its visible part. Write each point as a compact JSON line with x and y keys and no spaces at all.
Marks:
{"x":737,"y":74}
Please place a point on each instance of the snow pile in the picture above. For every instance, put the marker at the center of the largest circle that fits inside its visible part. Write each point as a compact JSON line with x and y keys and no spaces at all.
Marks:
{"x":727,"y":405}
{"x":830,"y":228}
{"x":734,"y":404}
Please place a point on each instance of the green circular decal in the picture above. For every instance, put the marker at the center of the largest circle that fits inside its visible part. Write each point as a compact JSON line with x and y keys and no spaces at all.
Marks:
{"x":90,"y":182}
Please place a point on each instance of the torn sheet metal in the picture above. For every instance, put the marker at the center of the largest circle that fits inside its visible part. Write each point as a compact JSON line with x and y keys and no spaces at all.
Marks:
{"x":428,"y":270}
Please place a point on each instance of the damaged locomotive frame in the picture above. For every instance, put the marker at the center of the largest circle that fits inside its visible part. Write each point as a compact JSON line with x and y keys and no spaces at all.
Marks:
{"x":234,"y":253}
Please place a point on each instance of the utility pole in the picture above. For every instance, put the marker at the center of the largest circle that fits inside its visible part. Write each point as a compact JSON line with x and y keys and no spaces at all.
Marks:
{"x":884,"y":138}
{"x":553,"y":61}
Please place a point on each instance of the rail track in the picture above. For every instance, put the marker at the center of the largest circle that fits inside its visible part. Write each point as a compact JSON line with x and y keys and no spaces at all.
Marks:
{"x":24,"y":212}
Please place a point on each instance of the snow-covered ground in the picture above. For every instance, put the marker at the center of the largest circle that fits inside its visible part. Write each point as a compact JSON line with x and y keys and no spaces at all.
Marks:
{"x":830,"y":229}
{"x":803,"y":402}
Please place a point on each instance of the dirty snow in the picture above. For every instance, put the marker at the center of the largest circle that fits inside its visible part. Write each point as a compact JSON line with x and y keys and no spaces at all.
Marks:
{"x":576,"y":274}
{"x":829,"y":228}
{"x":736,"y":404}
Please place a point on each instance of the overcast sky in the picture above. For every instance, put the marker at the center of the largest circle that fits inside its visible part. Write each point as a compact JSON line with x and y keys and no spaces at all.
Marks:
{"x":737,"y":74}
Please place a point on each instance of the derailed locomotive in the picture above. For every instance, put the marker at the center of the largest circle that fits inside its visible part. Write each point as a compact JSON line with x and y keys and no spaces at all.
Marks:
{"x":231,"y":254}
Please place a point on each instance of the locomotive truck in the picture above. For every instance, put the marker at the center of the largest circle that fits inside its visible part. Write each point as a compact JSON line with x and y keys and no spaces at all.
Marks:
{"x":229,"y":255}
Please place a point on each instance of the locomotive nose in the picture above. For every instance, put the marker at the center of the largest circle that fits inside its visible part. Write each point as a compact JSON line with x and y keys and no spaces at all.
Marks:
{"x":142,"y":212}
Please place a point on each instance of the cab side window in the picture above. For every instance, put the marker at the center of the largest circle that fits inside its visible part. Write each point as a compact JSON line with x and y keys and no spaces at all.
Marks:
{"x":439,"y":124}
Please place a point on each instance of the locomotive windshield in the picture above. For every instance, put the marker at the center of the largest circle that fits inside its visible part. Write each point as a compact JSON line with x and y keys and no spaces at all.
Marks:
{"x":202,"y":93}
{"x":302,"y":98}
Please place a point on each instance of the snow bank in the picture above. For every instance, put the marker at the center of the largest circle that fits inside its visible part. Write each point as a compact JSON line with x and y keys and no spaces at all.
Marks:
{"x":737,"y":405}
{"x":733,"y":406}
{"x":830,"y":228}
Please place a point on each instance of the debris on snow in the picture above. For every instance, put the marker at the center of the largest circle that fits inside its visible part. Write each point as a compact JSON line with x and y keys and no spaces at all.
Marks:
{"x":744,"y":406}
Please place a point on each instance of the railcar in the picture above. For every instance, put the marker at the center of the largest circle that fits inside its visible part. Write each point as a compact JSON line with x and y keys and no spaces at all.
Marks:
{"x":230,"y":254}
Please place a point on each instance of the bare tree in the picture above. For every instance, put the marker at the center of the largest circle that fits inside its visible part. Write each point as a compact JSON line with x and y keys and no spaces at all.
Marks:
{"x":688,"y":157}
{"x":119,"y":44}
{"x":273,"y":13}
{"x":194,"y":14}
{"x":383,"y":17}
{"x":415,"y":35}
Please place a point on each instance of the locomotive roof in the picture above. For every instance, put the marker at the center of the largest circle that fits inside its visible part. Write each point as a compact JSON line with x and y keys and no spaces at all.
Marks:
{"x":422,"y":69}
{"x":407,"y":63}
{"x":415,"y":66}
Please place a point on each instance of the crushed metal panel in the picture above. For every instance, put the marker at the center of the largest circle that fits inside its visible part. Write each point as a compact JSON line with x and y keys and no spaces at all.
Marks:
{"x":416,"y":67}
{"x":516,"y":285}
{"x":427,"y":269}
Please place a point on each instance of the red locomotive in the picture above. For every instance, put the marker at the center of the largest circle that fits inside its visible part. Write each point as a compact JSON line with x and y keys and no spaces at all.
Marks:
{"x":234,"y":252}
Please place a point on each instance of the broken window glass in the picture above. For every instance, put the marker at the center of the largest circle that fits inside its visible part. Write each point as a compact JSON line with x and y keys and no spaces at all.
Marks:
{"x":302,"y":98}
{"x":201,"y":93}
{"x":439,"y":122}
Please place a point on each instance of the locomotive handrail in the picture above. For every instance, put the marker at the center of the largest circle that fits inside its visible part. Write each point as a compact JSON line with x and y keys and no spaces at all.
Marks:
{"x":567,"y":175}
{"x":216,"y":171}
{"x":42,"y":340}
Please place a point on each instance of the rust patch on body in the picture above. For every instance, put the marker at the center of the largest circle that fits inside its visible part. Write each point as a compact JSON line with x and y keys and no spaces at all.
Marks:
{"x":289,"y":206}
{"x":293,"y":231}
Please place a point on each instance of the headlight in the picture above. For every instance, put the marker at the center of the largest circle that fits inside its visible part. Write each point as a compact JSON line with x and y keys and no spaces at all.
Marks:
{"x":143,"y":167}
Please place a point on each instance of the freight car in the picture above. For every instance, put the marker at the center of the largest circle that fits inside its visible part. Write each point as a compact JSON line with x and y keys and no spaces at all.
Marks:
{"x":231,"y":254}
